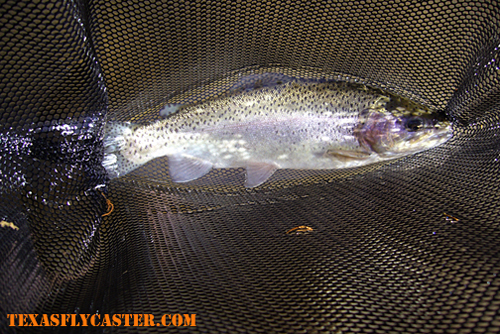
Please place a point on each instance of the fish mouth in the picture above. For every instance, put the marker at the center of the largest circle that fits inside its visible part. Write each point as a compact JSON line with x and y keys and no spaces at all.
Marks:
{"x":442,"y":130}
{"x":442,"y":134}
{"x":437,"y":129}
{"x":433,"y":137}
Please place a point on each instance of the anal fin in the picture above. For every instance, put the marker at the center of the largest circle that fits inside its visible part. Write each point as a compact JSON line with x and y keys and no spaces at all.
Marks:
{"x":185,"y":168}
{"x":258,"y":173}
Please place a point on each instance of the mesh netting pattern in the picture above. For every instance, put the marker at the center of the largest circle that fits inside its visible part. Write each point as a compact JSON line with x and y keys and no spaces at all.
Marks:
{"x":407,"y":246}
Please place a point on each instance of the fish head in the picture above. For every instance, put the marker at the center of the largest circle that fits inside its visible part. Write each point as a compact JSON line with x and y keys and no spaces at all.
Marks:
{"x":399,"y":132}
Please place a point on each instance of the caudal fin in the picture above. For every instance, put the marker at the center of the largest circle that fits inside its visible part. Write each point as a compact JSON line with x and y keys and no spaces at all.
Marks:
{"x":114,"y":142}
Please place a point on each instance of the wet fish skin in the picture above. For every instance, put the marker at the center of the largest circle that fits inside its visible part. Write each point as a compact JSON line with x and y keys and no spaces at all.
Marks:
{"x":296,"y":125}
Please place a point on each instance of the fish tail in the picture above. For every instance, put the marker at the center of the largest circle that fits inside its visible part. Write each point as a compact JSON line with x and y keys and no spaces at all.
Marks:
{"x":115,"y":139}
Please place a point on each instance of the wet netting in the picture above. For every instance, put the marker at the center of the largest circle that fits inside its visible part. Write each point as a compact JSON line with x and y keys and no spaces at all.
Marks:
{"x":408,"y":246}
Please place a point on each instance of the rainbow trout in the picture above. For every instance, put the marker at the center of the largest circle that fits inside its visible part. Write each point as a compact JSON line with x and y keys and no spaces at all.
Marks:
{"x":298,"y":125}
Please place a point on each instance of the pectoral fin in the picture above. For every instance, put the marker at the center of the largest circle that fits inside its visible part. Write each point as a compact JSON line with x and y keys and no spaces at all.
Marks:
{"x":258,"y":173}
{"x":348,"y":155}
{"x":187,"y":168}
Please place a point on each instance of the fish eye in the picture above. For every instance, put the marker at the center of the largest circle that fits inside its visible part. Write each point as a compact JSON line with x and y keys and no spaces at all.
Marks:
{"x":413,"y":124}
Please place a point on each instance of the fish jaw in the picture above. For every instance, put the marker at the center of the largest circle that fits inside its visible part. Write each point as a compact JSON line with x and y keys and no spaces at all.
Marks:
{"x":391,"y":136}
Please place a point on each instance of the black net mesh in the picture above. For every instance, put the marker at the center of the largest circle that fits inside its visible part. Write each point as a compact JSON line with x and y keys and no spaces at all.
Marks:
{"x":407,"y":246}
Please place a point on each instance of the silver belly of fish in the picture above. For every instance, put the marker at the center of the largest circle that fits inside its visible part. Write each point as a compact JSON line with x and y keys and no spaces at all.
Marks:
{"x":295,"y":125}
